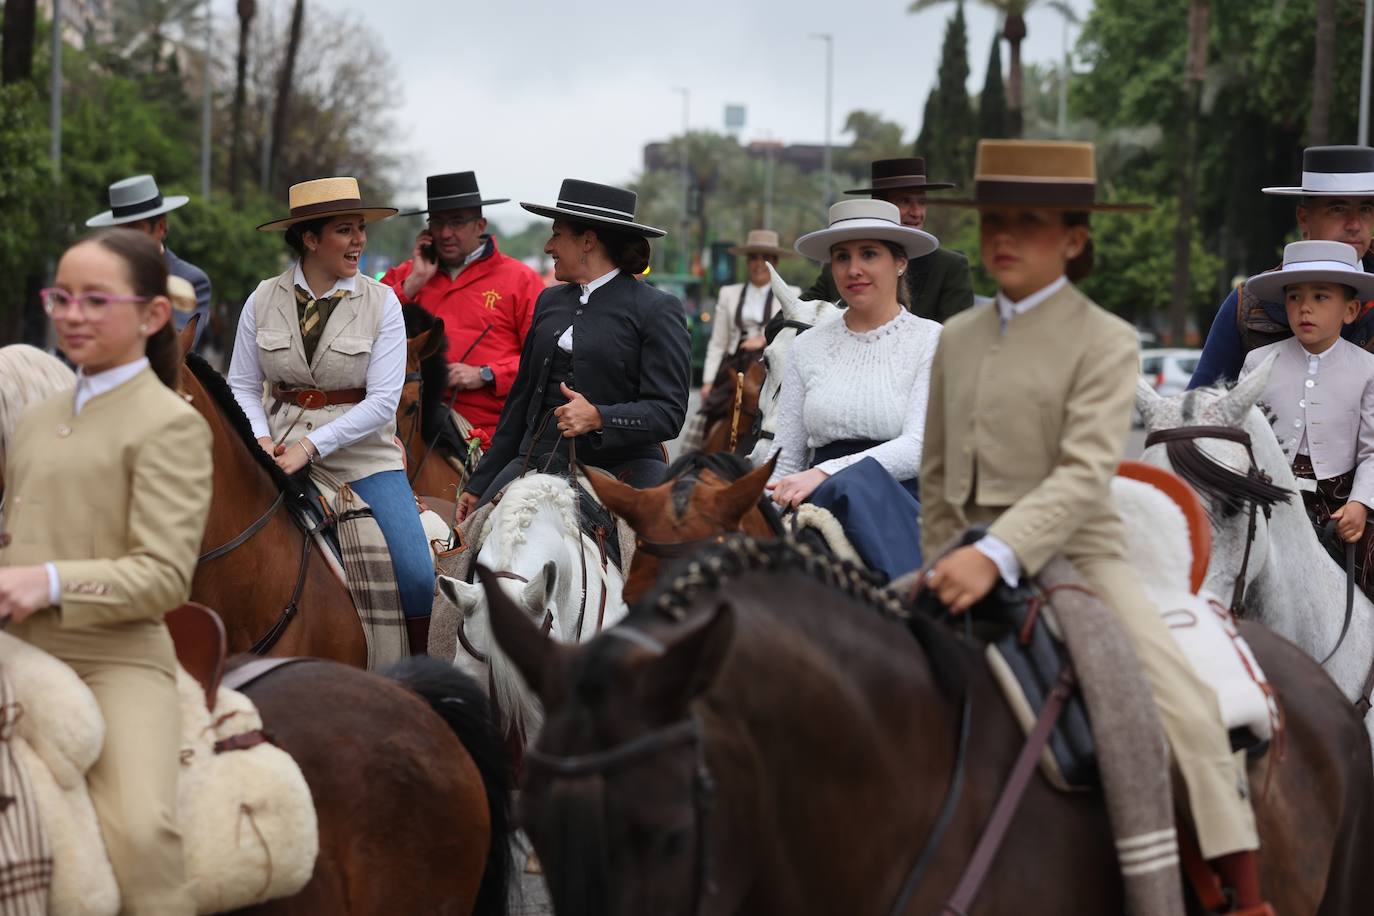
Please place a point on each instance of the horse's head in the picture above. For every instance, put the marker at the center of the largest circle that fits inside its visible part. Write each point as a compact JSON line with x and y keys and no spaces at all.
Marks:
{"x":705,"y":497}
{"x":616,"y":784}
{"x":411,"y":408}
{"x":1221,"y":444}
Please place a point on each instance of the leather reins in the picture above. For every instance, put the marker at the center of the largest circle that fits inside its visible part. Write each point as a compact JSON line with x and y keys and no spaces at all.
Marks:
{"x":478,"y":654}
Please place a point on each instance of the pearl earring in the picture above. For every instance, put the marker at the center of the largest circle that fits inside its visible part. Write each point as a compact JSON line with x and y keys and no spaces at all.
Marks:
{"x":143,"y":329}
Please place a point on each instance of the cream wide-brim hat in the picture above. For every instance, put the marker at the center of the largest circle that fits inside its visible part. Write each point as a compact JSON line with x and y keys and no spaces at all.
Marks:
{"x":1313,"y":262}
{"x":865,"y":219}
{"x":325,"y":197}
{"x":1040,"y":174}
{"x":762,"y":241}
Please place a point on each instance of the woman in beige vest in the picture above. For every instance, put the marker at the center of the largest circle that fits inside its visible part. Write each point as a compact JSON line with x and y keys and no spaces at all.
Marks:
{"x":330,"y":343}
{"x":107,"y":490}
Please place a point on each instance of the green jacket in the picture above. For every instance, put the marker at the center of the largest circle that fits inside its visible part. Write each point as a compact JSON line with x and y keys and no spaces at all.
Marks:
{"x":939,"y":284}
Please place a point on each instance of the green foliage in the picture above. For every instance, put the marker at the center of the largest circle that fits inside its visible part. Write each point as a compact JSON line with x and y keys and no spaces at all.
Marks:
{"x":947,"y":130}
{"x":992,"y":102}
{"x":223,"y":241}
{"x":23,"y":184}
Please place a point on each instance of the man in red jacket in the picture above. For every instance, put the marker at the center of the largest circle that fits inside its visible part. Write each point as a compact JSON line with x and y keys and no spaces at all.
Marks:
{"x":486,"y":299}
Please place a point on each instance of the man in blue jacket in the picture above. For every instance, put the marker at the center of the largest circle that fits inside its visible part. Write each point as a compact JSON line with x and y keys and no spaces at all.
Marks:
{"x":1335,"y":204}
{"x":136,"y":203}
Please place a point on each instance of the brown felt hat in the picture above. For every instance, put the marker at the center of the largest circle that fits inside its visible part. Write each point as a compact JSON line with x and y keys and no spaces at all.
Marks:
{"x":326,"y":197}
{"x":1056,"y":174}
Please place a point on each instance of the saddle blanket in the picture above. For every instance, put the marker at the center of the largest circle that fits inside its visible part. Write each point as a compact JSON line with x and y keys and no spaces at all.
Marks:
{"x":248,"y":823}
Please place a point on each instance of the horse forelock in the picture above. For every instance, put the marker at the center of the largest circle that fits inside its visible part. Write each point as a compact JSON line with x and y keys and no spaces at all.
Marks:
{"x":685,"y":474}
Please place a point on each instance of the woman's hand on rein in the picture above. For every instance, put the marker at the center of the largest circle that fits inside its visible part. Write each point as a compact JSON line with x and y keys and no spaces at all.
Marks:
{"x":577,"y":417}
{"x":962,"y":578}
{"x":795,"y":489}
{"x":466,"y":503}
{"x":23,"y":590}
{"x":268,"y":446}
{"x":295,"y":457}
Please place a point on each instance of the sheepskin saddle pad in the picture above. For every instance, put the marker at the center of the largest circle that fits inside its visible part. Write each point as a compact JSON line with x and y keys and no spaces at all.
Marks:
{"x":248,"y":823}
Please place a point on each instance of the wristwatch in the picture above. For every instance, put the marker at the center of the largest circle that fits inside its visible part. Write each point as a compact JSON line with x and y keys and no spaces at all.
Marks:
{"x":488,"y":377}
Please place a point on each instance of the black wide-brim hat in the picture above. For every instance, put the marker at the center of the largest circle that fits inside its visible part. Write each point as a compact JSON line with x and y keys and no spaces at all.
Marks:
{"x":900,"y":175}
{"x":454,"y":191}
{"x":598,"y":204}
{"x":1333,"y":171}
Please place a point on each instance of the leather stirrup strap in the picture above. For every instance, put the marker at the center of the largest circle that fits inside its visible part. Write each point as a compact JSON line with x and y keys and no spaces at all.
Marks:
{"x":1205,"y":882}
{"x":1010,"y":799}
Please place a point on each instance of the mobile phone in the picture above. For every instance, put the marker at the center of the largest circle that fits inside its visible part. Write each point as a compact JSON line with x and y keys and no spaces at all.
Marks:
{"x":427,"y":252}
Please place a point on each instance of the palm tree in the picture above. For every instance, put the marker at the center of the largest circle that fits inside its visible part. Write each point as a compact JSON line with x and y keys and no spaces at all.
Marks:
{"x":247,"y":10}
{"x":16,"y":41}
{"x":1014,"y":31}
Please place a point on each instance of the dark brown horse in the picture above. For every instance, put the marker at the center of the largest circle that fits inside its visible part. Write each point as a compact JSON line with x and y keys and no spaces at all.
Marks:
{"x":435,"y":456}
{"x":705,"y":495}
{"x":259,"y":570}
{"x":770,"y":735}
{"x":732,"y":410}
{"x":412,"y":806}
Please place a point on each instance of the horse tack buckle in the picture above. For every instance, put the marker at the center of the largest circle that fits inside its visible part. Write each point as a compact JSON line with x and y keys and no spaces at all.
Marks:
{"x":309,"y":398}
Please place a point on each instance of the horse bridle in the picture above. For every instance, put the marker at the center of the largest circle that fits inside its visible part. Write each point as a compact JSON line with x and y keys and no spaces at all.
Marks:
{"x":1230,"y":434}
{"x":684,"y":732}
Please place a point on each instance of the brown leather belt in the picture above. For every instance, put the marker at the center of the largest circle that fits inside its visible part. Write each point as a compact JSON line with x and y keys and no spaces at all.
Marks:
{"x":314,"y":398}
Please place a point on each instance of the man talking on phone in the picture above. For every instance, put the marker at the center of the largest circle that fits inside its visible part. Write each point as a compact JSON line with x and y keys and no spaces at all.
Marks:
{"x":486,"y":299}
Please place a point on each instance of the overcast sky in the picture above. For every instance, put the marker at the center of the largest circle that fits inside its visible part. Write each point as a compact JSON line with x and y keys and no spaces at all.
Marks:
{"x":528,"y":92}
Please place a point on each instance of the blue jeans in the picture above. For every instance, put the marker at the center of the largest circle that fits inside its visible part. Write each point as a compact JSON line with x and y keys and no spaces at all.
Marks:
{"x":393,"y":506}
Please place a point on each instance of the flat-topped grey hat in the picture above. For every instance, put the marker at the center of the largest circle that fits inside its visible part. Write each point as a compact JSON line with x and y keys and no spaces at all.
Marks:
{"x":865,"y":219}
{"x":1314,"y":262}
{"x":1333,"y":171}
{"x":599,"y":204}
{"x":453,"y":191}
{"x":134,"y":199}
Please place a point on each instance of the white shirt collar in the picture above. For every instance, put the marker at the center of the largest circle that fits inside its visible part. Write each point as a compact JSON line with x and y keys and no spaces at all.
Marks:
{"x":1008,"y":309}
{"x":476,"y":254}
{"x":350,"y":284}
{"x":589,"y":288}
{"x":89,"y":386}
{"x":756,"y":292}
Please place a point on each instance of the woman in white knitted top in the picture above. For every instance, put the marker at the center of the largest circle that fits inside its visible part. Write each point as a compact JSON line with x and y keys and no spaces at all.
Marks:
{"x":853,"y":406}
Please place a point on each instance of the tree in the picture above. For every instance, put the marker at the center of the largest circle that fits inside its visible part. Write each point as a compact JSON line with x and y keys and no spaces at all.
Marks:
{"x":874,"y":138}
{"x":1199,"y":12}
{"x":16,"y":41}
{"x":946,"y":138}
{"x":246,"y":10}
{"x":1013,"y":14}
{"x":1324,"y":62}
{"x":276,"y":139}
{"x":992,"y":103}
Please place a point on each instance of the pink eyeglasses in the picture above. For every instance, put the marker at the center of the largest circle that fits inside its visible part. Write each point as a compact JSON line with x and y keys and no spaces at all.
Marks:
{"x":94,"y":305}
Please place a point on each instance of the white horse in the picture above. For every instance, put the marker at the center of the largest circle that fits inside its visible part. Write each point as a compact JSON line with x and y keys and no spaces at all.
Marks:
{"x":798,"y":313}
{"x":1292,"y":584}
{"x":27,"y":374}
{"x":549,"y":568}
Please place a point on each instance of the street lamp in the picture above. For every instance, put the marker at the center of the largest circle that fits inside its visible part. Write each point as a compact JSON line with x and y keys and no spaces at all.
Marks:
{"x":829,"y":40}
{"x":686,"y":244}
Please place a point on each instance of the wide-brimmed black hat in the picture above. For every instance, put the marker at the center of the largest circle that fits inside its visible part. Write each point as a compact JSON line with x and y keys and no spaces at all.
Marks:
{"x":907,"y":174}
{"x":601,"y":204}
{"x":1333,"y":171}
{"x":454,"y":191}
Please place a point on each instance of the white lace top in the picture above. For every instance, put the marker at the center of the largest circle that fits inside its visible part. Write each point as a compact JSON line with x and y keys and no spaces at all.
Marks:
{"x":841,"y":385}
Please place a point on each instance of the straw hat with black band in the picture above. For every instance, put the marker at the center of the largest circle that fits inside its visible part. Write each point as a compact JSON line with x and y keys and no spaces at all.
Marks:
{"x":596,"y":204}
{"x":908,"y":174}
{"x":761,"y":241}
{"x":321,"y":198}
{"x":454,"y":191}
{"x":1049,"y":174}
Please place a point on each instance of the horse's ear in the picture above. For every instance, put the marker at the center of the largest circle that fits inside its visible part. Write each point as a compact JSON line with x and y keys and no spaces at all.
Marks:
{"x":429,"y":342}
{"x":539,"y":590}
{"x":1146,"y":398}
{"x":690,"y":663}
{"x":787,"y":300}
{"x":1237,"y":402}
{"x":464,"y":595}
{"x":186,"y":337}
{"x":742,"y":495}
{"x":530,"y":650}
{"x":621,"y":498}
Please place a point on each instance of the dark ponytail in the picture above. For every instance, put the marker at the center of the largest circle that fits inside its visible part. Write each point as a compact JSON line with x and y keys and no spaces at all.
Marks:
{"x":148,"y":276}
{"x":1080,"y":268}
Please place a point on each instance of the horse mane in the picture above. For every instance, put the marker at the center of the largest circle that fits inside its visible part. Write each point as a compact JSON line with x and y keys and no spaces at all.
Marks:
{"x":521,"y":501}
{"x":433,"y":370}
{"x":27,"y":374}
{"x":223,"y":397}
{"x":716,"y":566}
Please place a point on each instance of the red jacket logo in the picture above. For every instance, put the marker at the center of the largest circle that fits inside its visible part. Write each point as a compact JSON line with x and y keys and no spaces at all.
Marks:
{"x":490,"y":298}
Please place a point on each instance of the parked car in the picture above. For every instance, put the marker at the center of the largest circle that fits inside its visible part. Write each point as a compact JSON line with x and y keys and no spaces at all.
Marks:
{"x":1168,"y":371}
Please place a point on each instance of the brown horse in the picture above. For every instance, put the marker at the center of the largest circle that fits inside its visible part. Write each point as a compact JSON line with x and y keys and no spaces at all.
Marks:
{"x":412,"y":806}
{"x":723,"y":420}
{"x":258,"y":568}
{"x":771,"y":735}
{"x":705,"y":496}
{"x":434,"y":455}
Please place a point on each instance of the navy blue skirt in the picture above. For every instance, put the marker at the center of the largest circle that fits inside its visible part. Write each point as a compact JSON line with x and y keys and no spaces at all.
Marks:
{"x":880,"y":515}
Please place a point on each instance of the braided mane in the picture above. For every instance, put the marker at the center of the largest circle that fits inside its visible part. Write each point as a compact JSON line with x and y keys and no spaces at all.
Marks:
{"x":716,"y":566}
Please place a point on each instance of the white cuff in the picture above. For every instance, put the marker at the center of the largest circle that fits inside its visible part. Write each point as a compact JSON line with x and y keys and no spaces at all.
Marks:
{"x":996,"y":550}
{"x":54,"y":585}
